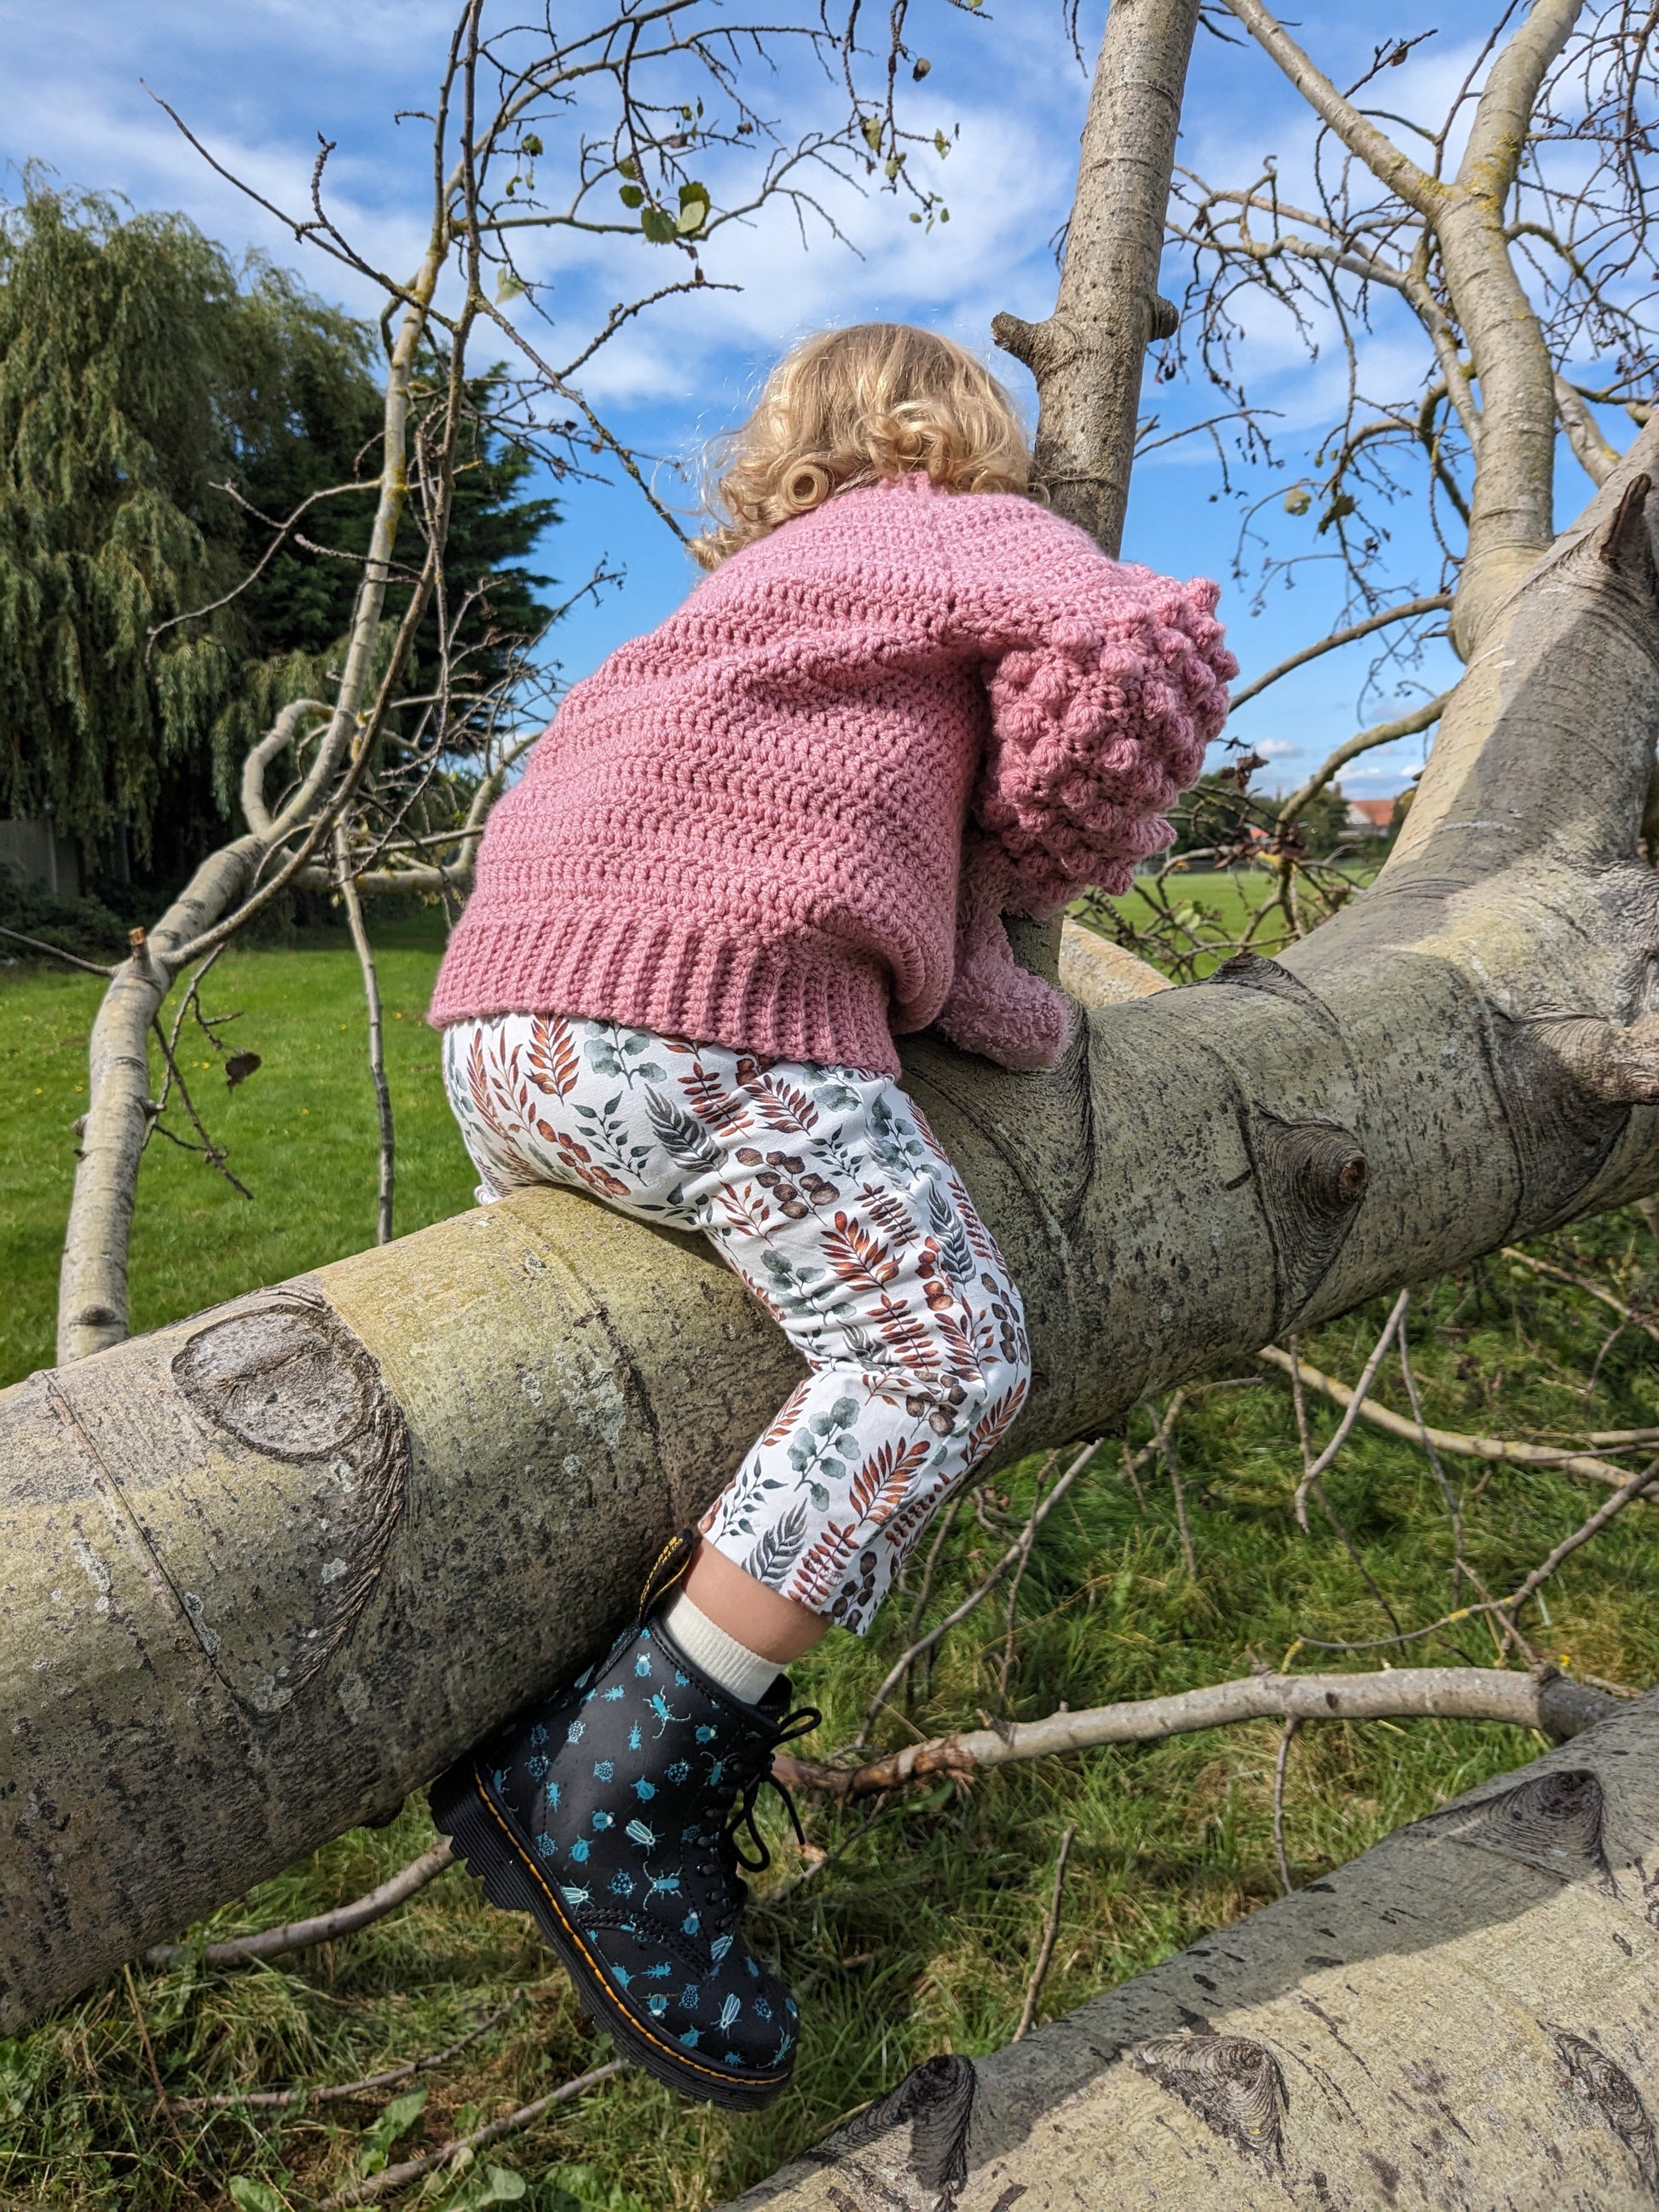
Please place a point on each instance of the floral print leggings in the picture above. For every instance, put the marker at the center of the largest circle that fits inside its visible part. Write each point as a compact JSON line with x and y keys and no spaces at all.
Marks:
{"x":826,"y":1191}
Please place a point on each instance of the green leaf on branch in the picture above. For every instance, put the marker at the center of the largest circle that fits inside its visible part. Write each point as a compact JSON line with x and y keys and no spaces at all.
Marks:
{"x":1341,"y":505}
{"x":509,"y":286}
{"x":632,"y":196}
{"x":873,"y":128}
{"x":530,"y":145}
{"x":694,"y":209}
{"x":628,"y":166}
{"x":1297,"y":500}
{"x":659,"y":226}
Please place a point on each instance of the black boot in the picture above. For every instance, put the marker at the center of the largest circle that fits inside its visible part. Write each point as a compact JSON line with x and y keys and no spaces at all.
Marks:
{"x":611,"y":1813}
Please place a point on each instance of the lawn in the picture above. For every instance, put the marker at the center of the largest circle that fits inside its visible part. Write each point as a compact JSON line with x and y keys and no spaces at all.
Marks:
{"x":299,"y":1132}
{"x":909,"y":1927}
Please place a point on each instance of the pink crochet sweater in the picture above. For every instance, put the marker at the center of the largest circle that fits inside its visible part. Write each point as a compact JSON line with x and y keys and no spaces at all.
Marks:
{"x":791,"y":819}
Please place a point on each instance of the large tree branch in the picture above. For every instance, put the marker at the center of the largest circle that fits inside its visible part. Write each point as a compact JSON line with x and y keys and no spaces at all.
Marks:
{"x":1557,"y":1706}
{"x":1087,"y":356}
{"x":1504,"y":113}
{"x":1460,"y":2017}
{"x":252,"y":1541}
{"x":1358,"y":132}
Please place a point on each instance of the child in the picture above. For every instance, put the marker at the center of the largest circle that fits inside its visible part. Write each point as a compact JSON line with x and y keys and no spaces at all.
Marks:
{"x":751,"y":849}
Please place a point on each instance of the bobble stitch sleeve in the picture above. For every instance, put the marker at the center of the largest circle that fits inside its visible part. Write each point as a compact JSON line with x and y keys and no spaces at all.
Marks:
{"x":1106,"y":684}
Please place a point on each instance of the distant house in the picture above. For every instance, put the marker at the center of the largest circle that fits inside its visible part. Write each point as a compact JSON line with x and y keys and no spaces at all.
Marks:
{"x":1370,"y":818}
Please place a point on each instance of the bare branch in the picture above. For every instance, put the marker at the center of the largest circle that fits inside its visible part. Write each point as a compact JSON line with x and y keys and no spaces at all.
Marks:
{"x":342,"y":2093}
{"x":1408,"y":610}
{"x":1381,"y":733}
{"x":325,"y":1927}
{"x":1357,"y":133}
{"x":414,"y":2169}
{"x":1451,"y":1440}
{"x":1558,"y":1706}
{"x":1046,"y":1948}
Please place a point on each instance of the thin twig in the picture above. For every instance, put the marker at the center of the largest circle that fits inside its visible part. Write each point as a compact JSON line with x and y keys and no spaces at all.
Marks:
{"x":1506,"y":1608}
{"x":162,"y":2103}
{"x":1028,"y":1537}
{"x":1045,"y":1951}
{"x":215,"y":1155}
{"x":413,"y":2169}
{"x":1626,"y":1314}
{"x":365,"y":952}
{"x":327,"y":1928}
{"x":74,"y":959}
{"x":1172,"y":1468}
{"x":1133,"y":1478}
{"x":947,"y":1522}
{"x":1279,"y":1763}
{"x":339,"y":2092}
{"x":906,"y":1658}
{"x":1447,"y":1493}
{"x":1497,"y":1448}
{"x":1312,"y":1469}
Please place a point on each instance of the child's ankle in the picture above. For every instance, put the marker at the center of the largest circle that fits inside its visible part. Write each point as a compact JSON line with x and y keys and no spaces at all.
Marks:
{"x":730,"y":1666}
{"x":761,"y":1619}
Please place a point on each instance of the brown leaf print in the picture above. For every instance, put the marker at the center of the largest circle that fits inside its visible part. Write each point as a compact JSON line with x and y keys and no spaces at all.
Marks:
{"x":817,"y":1578}
{"x":878,"y":1487}
{"x":993,"y":1424}
{"x":781,"y":1106}
{"x":711,"y":1098}
{"x":552,"y":1062}
{"x":787,"y":1415}
{"x":861,"y":1260}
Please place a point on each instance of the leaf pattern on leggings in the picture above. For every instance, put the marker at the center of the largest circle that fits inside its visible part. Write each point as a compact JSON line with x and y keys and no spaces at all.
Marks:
{"x":826,"y":1192}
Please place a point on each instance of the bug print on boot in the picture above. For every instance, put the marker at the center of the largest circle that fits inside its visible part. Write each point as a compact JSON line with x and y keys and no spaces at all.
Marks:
{"x":611,"y":1813}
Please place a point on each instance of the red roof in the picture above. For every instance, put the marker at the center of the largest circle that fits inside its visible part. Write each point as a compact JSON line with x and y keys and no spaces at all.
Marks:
{"x":1379,"y":812}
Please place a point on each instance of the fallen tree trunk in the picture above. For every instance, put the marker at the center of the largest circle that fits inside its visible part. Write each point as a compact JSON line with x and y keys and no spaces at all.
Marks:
{"x":266,"y":1570}
{"x":1460,"y":2018}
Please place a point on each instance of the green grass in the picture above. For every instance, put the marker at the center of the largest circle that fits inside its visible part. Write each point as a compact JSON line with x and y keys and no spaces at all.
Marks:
{"x":300,"y":1133}
{"x":915,"y":1933}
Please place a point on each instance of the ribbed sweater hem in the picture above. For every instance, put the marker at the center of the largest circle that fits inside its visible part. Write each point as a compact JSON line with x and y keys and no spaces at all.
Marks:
{"x":811,"y":1000}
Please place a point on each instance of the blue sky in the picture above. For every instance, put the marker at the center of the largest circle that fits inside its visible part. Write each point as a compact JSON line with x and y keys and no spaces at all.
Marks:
{"x":258,"y":81}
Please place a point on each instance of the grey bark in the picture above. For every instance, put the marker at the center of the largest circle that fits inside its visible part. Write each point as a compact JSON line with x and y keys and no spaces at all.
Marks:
{"x":1086,"y":357}
{"x":1460,"y":2020}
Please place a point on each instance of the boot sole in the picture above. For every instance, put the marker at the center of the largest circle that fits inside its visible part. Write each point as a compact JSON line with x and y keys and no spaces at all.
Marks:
{"x":463,"y":1810}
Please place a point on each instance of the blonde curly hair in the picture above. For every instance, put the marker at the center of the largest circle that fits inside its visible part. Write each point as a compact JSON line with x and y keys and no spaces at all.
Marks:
{"x":850,"y":407}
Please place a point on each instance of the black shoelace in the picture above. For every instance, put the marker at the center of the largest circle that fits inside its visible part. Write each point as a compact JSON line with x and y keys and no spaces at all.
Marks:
{"x":801,"y":1722}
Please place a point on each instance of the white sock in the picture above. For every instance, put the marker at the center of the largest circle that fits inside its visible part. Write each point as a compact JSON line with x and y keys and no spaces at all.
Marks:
{"x":743,"y":1673}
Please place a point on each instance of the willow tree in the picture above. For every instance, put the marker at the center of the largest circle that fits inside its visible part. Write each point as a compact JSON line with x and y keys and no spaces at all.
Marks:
{"x":247,"y":1546}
